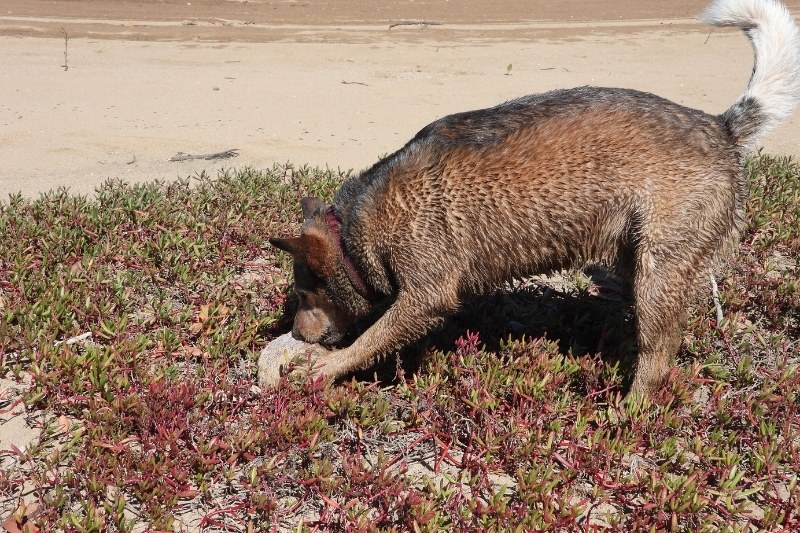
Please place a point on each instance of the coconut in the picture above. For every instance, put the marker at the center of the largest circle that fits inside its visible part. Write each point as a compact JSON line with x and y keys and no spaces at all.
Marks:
{"x":279,"y":354}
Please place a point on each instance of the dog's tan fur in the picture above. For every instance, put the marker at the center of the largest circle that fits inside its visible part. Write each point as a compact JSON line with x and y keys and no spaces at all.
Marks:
{"x":551,"y":181}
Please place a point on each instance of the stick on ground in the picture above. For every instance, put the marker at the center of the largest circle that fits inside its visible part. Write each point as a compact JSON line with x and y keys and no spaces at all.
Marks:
{"x":715,"y":297}
{"x":180,"y":156}
{"x":415,"y":23}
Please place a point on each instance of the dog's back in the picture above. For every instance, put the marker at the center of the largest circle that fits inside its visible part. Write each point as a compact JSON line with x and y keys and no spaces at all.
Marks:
{"x":552,"y":181}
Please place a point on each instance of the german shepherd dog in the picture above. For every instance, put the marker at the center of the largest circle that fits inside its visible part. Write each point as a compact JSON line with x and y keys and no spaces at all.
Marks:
{"x":550,"y":181}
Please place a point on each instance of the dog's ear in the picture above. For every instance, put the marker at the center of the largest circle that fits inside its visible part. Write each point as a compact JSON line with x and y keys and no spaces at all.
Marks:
{"x":290,"y":245}
{"x":312,"y":248}
{"x":310,"y":204}
{"x":319,"y":253}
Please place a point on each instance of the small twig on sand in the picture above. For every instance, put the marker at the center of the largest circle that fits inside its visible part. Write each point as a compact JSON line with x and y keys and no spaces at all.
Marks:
{"x":355,"y":83}
{"x":715,"y":297}
{"x":76,"y":339}
{"x":180,"y":156}
{"x":415,"y":23}
{"x":66,"y":45}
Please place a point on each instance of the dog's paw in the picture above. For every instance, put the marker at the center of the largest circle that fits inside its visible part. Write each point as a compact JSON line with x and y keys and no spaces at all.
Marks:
{"x":286,"y":353}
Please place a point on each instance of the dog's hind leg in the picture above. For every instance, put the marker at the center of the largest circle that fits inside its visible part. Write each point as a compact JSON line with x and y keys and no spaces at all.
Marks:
{"x":663,"y":284}
{"x":405,"y":321}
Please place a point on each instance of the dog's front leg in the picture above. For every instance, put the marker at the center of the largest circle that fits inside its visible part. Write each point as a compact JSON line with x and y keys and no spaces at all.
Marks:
{"x":404,"y":322}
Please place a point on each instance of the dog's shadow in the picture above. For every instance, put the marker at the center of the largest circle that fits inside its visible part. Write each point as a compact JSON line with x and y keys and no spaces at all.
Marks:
{"x":595,"y":318}
{"x":587,"y":318}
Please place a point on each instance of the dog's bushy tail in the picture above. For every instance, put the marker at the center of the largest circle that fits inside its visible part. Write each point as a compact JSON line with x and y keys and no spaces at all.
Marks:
{"x":774,"y":86}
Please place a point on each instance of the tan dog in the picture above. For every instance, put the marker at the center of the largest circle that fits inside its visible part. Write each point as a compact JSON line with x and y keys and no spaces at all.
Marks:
{"x":545,"y":182}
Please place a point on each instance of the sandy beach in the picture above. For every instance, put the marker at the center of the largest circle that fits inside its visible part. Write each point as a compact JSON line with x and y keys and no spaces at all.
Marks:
{"x":323,"y":83}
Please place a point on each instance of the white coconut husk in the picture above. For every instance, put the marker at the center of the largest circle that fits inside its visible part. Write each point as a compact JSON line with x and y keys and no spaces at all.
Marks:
{"x":279,"y":354}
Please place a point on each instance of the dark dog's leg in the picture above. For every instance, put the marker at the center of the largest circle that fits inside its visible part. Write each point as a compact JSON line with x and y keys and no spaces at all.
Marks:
{"x":405,"y":321}
{"x":662,"y":288}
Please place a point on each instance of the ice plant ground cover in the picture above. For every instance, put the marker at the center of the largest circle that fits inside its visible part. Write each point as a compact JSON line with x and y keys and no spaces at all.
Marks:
{"x":130,"y":324}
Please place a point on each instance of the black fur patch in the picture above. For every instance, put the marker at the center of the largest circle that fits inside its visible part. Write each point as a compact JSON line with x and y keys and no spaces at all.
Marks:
{"x":744,"y":119}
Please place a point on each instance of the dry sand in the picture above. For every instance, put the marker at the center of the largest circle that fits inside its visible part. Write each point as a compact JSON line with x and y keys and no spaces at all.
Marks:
{"x":322,"y":83}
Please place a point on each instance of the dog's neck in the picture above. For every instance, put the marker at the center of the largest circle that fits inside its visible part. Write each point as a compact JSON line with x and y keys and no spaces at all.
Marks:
{"x":359,"y":283}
